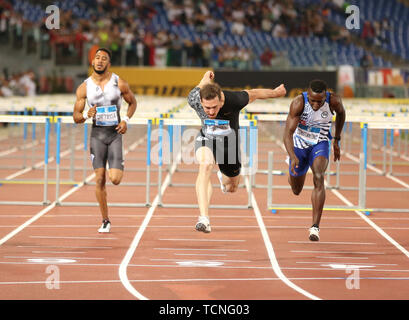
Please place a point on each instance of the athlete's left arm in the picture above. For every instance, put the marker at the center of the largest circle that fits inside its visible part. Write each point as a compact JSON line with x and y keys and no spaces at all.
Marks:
{"x":255,"y":94}
{"x":129,"y":97}
{"x":337,"y":106}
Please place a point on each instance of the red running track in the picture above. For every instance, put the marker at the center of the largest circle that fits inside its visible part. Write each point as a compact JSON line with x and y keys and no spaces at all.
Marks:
{"x":155,"y":253}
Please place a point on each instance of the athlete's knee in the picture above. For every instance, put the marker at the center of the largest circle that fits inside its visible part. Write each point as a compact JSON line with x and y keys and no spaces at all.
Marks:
{"x":296,"y":190}
{"x":116,"y":180}
{"x":231,"y":188}
{"x":100,"y":182}
{"x":206,"y":168}
{"x":318,"y":178}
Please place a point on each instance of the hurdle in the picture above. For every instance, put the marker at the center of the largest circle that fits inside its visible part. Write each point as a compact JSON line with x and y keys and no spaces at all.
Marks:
{"x":147,"y":184}
{"x":34,"y":120}
{"x":170,"y":122}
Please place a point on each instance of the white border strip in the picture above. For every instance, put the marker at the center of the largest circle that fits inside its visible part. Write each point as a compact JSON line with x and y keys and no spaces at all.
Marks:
{"x":270,"y":249}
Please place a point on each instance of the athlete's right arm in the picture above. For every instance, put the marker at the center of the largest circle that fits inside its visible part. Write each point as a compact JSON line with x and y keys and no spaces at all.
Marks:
{"x":291,"y":124}
{"x":207,"y":79}
{"x":79,"y":106}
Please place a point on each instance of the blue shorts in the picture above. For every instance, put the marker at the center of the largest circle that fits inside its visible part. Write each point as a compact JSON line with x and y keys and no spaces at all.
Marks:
{"x":307,"y":157}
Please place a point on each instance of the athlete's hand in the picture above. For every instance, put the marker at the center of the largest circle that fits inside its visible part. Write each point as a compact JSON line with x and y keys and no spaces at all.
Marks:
{"x":210,"y":75}
{"x":92,"y":111}
{"x":337,"y":151}
{"x":121,"y":127}
{"x":280,"y":91}
{"x":294,"y":164}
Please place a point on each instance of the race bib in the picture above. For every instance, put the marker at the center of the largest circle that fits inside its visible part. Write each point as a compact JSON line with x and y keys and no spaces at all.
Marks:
{"x":216,"y":128}
{"x":309,"y":134}
{"x":106,"y":116}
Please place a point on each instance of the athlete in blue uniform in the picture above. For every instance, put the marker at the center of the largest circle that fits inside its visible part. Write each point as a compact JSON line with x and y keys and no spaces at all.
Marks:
{"x":306,"y":138}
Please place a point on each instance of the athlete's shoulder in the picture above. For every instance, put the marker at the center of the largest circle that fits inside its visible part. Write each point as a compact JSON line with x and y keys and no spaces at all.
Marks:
{"x":334,"y":99}
{"x":82,"y":90}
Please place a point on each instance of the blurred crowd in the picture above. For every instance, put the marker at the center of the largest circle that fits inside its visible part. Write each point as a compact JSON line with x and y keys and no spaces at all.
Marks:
{"x":133,"y":31}
{"x":129,"y":25}
{"x":19,"y":84}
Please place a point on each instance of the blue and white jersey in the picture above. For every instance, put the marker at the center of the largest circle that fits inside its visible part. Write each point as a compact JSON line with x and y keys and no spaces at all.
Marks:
{"x":108,"y":101}
{"x":314,"y":126}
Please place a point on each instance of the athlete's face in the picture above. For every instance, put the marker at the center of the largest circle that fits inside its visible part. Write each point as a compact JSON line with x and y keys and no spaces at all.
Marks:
{"x":212,"y":107}
{"x":101,"y":62}
{"x":316,"y":100}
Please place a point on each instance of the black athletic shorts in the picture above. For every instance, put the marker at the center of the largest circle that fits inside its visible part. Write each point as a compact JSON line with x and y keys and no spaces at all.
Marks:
{"x":106,"y":146}
{"x":226,"y":152}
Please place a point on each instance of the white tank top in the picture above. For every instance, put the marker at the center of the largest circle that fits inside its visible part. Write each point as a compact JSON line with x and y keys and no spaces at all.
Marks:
{"x":108,"y":101}
{"x":314,"y":126}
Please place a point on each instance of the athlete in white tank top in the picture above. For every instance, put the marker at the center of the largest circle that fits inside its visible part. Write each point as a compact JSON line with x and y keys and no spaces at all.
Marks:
{"x":314,"y":126}
{"x":108,"y":101}
{"x":103,"y":91}
{"x":306,"y":136}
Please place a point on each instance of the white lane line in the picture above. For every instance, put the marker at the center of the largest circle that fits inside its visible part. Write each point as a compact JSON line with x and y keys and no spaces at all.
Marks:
{"x":202,"y":240}
{"x":343,"y":252}
{"x":71,"y":252}
{"x":200,"y":254}
{"x":76,"y":238}
{"x":200,"y":249}
{"x":64,"y":247}
{"x":135,"y":242}
{"x":358,"y":258}
{"x":372,"y":264}
{"x":52,"y":205}
{"x":373,"y":225}
{"x":270,"y":249}
{"x":328,"y":242}
{"x":196,"y":260}
{"x":191,"y":266}
{"x":18,"y":257}
{"x":195,"y":280}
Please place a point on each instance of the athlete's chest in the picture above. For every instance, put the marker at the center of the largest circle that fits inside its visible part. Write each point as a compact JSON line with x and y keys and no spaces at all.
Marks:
{"x":310,"y":116}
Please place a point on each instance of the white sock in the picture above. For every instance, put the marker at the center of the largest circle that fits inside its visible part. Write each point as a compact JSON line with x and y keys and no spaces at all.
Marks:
{"x":222,"y":186}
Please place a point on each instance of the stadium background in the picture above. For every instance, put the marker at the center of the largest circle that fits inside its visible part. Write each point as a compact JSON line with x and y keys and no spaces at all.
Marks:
{"x":248,"y":43}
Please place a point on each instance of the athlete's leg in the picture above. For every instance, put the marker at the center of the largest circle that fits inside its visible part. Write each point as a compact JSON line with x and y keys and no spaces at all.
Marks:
{"x":99,"y":153}
{"x":318,"y":167}
{"x":205,"y":158}
{"x":116,"y":160}
{"x":231,"y":184}
{"x":297,"y":181}
{"x":100,"y":192}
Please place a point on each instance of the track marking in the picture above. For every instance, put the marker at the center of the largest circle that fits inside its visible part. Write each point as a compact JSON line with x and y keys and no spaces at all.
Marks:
{"x":270,"y":249}
{"x":64,"y":247}
{"x":135,"y":242}
{"x":358,"y":258}
{"x":76,"y":238}
{"x":327,"y":242}
{"x":373,"y":264}
{"x":343,"y":252}
{"x":71,"y":252}
{"x":17,"y":257}
{"x":202,"y":240}
{"x":200,"y":249}
{"x":200,"y":254}
{"x":217,"y":260}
